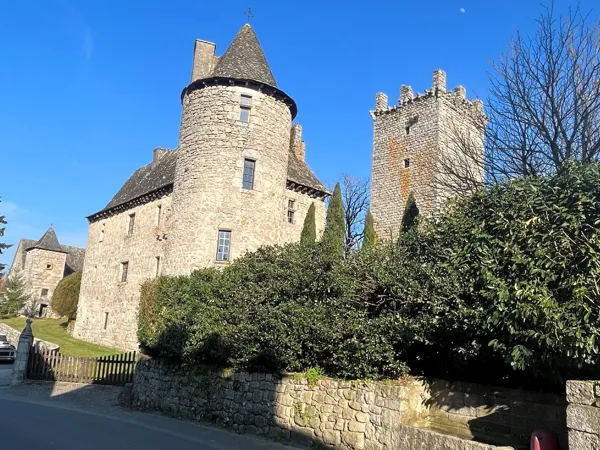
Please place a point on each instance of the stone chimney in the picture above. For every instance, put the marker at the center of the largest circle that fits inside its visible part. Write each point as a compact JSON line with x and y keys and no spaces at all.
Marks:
{"x":158,"y":153}
{"x":439,"y":81}
{"x":204,"y":59}
{"x":460,"y":94}
{"x":296,"y":143}
{"x":406,"y":93}
{"x":381,"y":101}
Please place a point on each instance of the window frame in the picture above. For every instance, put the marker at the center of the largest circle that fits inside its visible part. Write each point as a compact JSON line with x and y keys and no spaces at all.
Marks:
{"x":253,"y":161}
{"x":291,"y":209}
{"x":219,"y":255}
{"x":245,"y":108}
{"x":130,"y":224}
{"x":124,"y":271}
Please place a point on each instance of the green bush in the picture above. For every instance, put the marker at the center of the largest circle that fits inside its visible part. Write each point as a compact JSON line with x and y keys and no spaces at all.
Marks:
{"x":66,"y":296}
{"x":500,"y":287}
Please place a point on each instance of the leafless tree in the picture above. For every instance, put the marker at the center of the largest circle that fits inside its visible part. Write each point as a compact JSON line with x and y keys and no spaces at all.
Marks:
{"x":355,"y":196}
{"x":543,"y":105}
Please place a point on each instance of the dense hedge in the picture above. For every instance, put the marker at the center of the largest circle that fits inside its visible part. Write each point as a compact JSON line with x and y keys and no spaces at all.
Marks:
{"x":502,"y":287}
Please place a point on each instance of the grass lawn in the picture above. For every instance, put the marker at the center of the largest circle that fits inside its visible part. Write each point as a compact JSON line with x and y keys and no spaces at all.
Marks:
{"x":55,"y":331}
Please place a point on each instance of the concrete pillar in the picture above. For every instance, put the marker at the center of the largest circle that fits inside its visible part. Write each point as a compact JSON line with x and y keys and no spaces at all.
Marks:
{"x":23,"y":349}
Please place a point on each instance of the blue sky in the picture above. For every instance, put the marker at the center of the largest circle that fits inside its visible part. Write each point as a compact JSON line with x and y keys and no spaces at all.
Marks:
{"x":89,"y":88}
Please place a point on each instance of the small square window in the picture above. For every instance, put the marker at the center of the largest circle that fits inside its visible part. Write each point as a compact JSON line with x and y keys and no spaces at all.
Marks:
{"x":105,"y":320}
{"x":44,"y":293}
{"x":406,"y":163}
{"x":248,"y":181}
{"x":130,"y":223}
{"x":124,"y":270}
{"x":48,"y":266}
{"x":291,"y":211}
{"x":223,"y":245}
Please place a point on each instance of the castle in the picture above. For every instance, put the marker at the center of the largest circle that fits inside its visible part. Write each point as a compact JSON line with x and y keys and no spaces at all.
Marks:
{"x":42,"y":264}
{"x":237,"y":180}
{"x":414,"y":142}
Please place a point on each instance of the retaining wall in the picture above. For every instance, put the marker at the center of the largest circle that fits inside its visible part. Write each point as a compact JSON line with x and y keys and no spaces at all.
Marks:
{"x":408,"y":414}
{"x":13,"y":337}
{"x":583,"y":415}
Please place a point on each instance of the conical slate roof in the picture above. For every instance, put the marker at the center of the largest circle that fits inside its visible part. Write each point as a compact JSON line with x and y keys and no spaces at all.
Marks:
{"x":245,"y":59}
{"x":49,"y":241}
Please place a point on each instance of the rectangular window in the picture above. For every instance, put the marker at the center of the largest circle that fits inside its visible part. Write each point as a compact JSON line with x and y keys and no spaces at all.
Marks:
{"x":124,"y":270}
{"x":44,"y":293}
{"x":105,"y":320}
{"x":406,"y":163}
{"x":291,"y":210}
{"x":157,"y":265}
{"x":158,"y":213}
{"x":130,"y":223}
{"x":245,"y":106}
{"x":223,"y":245}
{"x":102,"y":232}
{"x":248,"y":182}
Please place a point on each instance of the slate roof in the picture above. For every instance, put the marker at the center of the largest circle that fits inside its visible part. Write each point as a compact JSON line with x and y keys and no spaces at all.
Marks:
{"x":245,"y":59}
{"x":161,"y":174}
{"x":299,"y":172}
{"x":75,"y":257}
{"x":146,"y":179}
{"x":48,"y":241}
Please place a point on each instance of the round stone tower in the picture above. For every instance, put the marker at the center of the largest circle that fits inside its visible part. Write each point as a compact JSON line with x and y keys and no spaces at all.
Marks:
{"x":229,"y":192}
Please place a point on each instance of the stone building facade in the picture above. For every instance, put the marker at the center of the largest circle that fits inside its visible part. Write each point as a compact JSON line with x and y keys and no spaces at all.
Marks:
{"x":42,"y":264}
{"x":415,"y":143}
{"x":237,"y":180}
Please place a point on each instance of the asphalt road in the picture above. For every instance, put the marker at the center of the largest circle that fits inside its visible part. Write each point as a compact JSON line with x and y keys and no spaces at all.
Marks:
{"x":5,"y":375}
{"x":37,"y":426}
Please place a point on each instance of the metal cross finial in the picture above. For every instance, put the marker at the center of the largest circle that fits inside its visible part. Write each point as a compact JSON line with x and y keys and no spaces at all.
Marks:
{"x":249,"y":14}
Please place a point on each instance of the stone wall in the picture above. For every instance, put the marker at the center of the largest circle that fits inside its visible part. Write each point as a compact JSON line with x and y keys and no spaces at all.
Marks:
{"x":102,"y":291}
{"x":410,"y":140}
{"x":406,"y":414}
{"x":583,"y":415}
{"x":13,"y":337}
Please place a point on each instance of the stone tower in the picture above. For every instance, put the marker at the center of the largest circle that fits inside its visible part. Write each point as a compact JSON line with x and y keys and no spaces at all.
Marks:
{"x":412,"y":141}
{"x":232,"y":161}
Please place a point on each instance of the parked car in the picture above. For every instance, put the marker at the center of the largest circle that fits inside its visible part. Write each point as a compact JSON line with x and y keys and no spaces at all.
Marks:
{"x":7,"y":351}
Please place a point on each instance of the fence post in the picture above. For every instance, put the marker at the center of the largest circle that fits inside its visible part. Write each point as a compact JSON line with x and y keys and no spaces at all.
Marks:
{"x":23,"y":349}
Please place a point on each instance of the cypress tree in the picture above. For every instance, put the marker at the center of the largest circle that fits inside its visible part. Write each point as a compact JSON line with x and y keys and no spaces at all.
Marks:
{"x":411,"y":212}
{"x":369,"y":237}
{"x":335,"y":229}
{"x":309,"y":229}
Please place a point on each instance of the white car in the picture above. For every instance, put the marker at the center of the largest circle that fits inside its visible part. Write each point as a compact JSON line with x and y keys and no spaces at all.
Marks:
{"x":7,"y":351}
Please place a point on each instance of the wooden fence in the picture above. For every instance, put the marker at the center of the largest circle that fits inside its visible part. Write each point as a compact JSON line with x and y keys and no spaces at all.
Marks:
{"x":54,"y":366}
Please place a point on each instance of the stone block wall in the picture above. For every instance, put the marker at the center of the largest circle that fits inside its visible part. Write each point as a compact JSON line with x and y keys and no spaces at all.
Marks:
{"x":407,"y":414}
{"x":583,"y":415}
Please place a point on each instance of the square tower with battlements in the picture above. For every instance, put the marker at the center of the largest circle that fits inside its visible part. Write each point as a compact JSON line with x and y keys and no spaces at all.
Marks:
{"x":415,"y":143}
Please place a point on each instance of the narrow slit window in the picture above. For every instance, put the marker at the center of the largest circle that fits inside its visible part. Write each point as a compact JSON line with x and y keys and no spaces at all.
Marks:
{"x":102,"y":232}
{"x":291,"y":211}
{"x":406,"y":163}
{"x":407,"y":129}
{"x":245,"y":107}
{"x":223,"y":245}
{"x":158,"y":214}
{"x":157,"y":266}
{"x":248,"y":181}
{"x":130,"y":223}
{"x":105,"y":320}
{"x":124,"y":270}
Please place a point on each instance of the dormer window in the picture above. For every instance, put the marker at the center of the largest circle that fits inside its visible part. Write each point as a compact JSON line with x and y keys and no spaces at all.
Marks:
{"x":245,"y":106}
